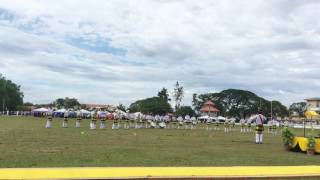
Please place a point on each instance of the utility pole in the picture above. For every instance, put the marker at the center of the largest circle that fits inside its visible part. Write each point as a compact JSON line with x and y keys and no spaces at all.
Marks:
{"x":4,"y":95}
{"x":271,"y":110}
{"x":3,"y":105}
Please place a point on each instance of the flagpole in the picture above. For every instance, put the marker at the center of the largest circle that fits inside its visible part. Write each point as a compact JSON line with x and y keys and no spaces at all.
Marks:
{"x":271,"y":110}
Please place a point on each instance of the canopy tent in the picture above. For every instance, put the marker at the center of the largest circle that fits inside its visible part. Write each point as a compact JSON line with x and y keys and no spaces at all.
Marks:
{"x":83,"y":111}
{"x":310,"y":114}
{"x":60,"y":111}
{"x":221,"y":119}
{"x":203,"y":117}
{"x":40,"y":110}
{"x":102,"y":114}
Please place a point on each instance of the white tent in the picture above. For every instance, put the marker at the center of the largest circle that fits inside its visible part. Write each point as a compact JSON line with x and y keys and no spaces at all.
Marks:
{"x":83,"y":111}
{"x":232,"y":119}
{"x":220,"y":118}
{"x":41,"y":110}
{"x":60,"y":111}
{"x":203,"y":117}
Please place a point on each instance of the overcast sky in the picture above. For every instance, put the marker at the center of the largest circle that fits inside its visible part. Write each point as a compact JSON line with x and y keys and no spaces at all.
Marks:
{"x":118,"y":51}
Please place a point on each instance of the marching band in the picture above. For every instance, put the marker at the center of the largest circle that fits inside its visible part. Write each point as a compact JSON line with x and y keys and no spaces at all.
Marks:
{"x":138,"y":120}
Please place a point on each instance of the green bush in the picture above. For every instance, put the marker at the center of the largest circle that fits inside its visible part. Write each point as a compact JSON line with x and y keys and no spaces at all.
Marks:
{"x":311,"y":141}
{"x":287,"y":136}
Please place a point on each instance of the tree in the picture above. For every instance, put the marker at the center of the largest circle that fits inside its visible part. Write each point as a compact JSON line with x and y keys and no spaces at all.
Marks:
{"x":71,"y":103}
{"x":185,"y":110}
{"x":66,"y":103}
{"x":299,"y":108}
{"x":10,"y":94}
{"x":163,"y":94}
{"x":194,"y":100}
{"x":240,"y":103}
{"x":27,"y":106}
{"x":153,"y":105}
{"x":178,"y":94}
{"x":122,"y":107}
{"x":59,"y":103}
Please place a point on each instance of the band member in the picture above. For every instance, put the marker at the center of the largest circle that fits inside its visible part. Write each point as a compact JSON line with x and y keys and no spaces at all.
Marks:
{"x":149,"y":120}
{"x":153,"y":123}
{"x":93,"y":123}
{"x":180,"y":121}
{"x":174,"y":122}
{"x":132,"y":121}
{"x":65,"y":119}
{"x":208,"y":123}
{"x":79,"y":119}
{"x":216,"y":124}
{"x":126,"y":123}
{"x":49,"y":120}
{"x":227,"y":126}
{"x":166,"y":119}
{"x":259,"y":119}
{"x":115,"y":124}
{"x":161,"y":123}
{"x":103,"y":122}
{"x":187,"y":121}
{"x":233,"y":123}
{"x":274,"y":127}
{"x":144,"y":120}
{"x":248,"y":122}
{"x":193,"y":122}
{"x":243,"y":125}
{"x":138,"y":121}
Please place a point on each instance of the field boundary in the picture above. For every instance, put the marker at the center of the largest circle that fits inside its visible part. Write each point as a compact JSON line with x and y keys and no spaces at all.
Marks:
{"x":242,"y":172}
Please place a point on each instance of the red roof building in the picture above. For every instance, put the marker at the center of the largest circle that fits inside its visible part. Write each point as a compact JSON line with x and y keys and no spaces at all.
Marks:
{"x":209,"y":109}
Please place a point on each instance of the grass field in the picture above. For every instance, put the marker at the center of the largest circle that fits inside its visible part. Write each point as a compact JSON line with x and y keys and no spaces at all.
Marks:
{"x":24,"y":142}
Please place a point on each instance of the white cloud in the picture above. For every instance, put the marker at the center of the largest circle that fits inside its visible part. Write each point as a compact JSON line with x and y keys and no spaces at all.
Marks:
{"x":120,"y":51}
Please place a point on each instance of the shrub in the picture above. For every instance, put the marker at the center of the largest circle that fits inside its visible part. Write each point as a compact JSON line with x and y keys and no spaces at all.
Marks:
{"x":287,"y":136}
{"x":311,"y":141}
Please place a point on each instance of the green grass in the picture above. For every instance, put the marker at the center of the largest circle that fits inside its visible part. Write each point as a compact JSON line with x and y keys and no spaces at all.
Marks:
{"x":24,"y":142}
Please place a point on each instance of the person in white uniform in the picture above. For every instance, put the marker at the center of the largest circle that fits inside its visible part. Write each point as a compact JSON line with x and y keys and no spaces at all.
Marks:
{"x":180,"y":121}
{"x":79,"y":118}
{"x":243,"y":125}
{"x":93,"y":122}
{"x":49,"y":120}
{"x":259,"y":119}
{"x":187,"y":121}
{"x":65,"y":119}
{"x":193,"y":122}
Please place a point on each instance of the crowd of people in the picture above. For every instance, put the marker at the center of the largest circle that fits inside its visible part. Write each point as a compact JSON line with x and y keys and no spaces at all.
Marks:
{"x":124,"y":120}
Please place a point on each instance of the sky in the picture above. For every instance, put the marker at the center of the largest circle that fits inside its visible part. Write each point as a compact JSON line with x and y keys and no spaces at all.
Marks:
{"x":119,"y":51}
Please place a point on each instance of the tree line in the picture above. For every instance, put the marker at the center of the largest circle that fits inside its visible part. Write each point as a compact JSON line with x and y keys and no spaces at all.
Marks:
{"x":231,"y":102}
{"x":11,"y":97}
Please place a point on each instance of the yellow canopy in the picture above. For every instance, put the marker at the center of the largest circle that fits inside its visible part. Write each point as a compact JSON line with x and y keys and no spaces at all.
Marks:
{"x":310,"y":114}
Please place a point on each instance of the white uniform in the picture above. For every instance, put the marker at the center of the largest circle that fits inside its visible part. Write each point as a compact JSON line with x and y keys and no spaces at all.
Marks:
{"x":174,"y":122}
{"x":208,"y":123}
{"x":161,"y":122}
{"x":259,"y":119}
{"x":78,"y":121}
{"x":49,"y":120}
{"x":93,"y":122}
{"x":65,"y":120}
{"x":193,"y":122}
{"x":187,"y":121}
{"x":243,"y":124}
{"x":180,"y":120}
